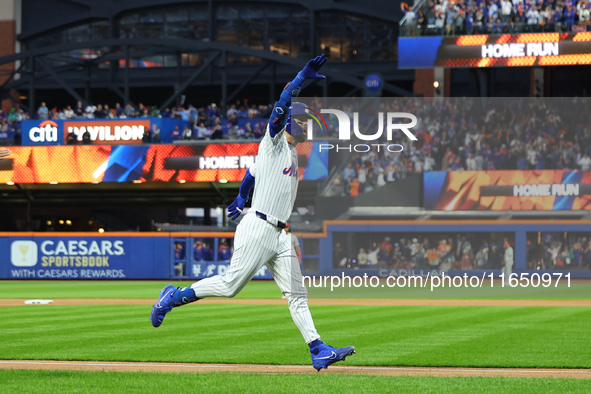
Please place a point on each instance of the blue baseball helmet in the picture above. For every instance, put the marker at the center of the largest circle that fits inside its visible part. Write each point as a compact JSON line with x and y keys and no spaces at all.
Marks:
{"x":292,"y":127}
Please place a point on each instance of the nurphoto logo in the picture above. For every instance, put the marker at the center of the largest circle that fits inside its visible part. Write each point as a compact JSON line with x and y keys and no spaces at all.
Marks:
{"x":379,"y":130}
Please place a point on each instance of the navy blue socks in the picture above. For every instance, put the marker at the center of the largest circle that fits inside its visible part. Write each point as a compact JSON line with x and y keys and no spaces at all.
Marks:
{"x":183,"y":296}
{"x":314,"y":344}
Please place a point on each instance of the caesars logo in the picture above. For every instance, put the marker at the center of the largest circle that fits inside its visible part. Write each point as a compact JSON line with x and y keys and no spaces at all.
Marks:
{"x":65,"y":254}
{"x":46,"y":132}
{"x":393,"y":121}
{"x":23,"y":253}
{"x":129,"y":131}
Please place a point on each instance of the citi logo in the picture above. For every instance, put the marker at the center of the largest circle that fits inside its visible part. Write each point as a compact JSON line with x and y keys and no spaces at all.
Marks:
{"x":46,"y":132}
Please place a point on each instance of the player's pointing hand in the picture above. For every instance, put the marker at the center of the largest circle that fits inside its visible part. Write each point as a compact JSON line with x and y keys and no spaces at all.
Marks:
{"x":312,"y":68}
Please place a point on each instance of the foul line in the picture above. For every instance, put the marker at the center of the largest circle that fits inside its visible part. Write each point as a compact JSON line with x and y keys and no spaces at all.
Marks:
{"x":297,"y":369}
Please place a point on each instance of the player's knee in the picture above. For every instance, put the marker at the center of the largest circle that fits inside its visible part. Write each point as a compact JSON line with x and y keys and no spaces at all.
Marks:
{"x":232,"y":292}
{"x":296,"y":299}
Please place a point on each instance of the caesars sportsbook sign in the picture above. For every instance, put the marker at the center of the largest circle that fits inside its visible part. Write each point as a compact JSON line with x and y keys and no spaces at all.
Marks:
{"x":47,"y":257}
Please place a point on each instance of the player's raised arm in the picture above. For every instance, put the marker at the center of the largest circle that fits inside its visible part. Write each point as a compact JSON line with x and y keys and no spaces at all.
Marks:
{"x":237,"y":206}
{"x":278,"y":119}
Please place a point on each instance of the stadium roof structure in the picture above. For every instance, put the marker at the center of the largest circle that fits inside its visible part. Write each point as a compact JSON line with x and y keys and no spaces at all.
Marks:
{"x":81,"y":65}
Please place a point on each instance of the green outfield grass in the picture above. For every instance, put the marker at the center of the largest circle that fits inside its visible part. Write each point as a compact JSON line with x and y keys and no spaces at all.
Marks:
{"x":269,"y":289}
{"x":545,"y":337}
{"x":114,"y":289}
{"x":92,"y":382}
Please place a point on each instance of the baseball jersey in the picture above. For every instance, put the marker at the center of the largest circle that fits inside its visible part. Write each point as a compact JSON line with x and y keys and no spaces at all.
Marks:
{"x":294,"y":241}
{"x":276,"y":177}
{"x":509,"y":255}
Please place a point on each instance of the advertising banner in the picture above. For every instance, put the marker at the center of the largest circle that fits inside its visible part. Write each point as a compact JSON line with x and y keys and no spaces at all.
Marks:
{"x":148,"y":163}
{"x":101,"y":131}
{"x":506,"y":50}
{"x":84,"y":257}
{"x":205,"y":269}
{"x":518,"y":190}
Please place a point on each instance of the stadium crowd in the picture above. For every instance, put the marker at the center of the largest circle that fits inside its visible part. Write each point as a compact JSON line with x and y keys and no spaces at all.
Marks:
{"x":203,"y":251}
{"x":241,"y":120}
{"x":426,"y":251}
{"x":557,"y":251}
{"x":456,"y":17}
{"x":512,"y":134}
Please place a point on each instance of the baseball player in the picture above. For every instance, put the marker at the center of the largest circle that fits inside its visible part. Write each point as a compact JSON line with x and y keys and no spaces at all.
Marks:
{"x":260,"y":238}
{"x":508,"y":261}
{"x":295,"y":244}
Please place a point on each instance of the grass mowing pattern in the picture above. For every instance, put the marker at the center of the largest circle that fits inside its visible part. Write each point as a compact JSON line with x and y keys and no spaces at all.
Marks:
{"x":264,"y":334}
{"x":114,"y":289}
{"x":269,"y":289}
{"x":141,"y":382}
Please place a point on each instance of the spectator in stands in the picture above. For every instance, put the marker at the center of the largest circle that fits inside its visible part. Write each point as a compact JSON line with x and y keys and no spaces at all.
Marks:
{"x":584,"y":163}
{"x":187,"y":133}
{"x":118,"y":110}
{"x":212,"y":111}
{"x":232,"y":111}
{"x":200,"y":251}
{"x":201,"y":132}
{"x":218,"y":132}
{"x":89,"y":111}
{"x":583,"y":13}
{"x":43,"y":111}
{"x":146,"y":138}
{"x":349,"y":172}
{"x":450,"y":19}
{"x":569,"y":16}
{"x":587,"y":255}
{"x":179,"y":250}
{"x":506,"y":10}
{"x":129,"y":110}
{"x":79,"y":110}
{"x":155,"y":134}
{"x":362,"y":257}
{"x":339,"y":254}
{"x":193,"y":114}
{"x":258,"y":131}
{"x":465,"y":261}
{"x":495,"y":16}
{"x":176,"y":133}
{"x":69,"y":113}
{"x":86,"y":138}
{"x":72,"y":139}
{"x":224,"y":252}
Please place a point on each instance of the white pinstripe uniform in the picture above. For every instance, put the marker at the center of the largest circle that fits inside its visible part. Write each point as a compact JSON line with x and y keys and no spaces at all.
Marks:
{"x":258,"y":242}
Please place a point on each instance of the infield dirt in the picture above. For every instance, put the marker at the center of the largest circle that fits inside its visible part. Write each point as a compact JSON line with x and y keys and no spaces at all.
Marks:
{"x":318,"y":301}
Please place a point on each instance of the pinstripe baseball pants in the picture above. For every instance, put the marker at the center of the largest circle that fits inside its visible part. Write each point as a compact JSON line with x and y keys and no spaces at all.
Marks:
{"x":259,"y":243}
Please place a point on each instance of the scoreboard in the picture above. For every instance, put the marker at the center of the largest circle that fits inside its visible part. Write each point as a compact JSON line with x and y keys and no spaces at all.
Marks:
{"x":506,"y":50}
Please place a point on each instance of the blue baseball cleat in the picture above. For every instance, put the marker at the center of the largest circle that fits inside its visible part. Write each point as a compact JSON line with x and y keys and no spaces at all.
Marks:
{"x":162,"y":306}
{"x":325,"y":355}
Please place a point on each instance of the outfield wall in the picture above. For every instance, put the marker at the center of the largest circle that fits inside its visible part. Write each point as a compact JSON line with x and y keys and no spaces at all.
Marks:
{"x":193,"y":256}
